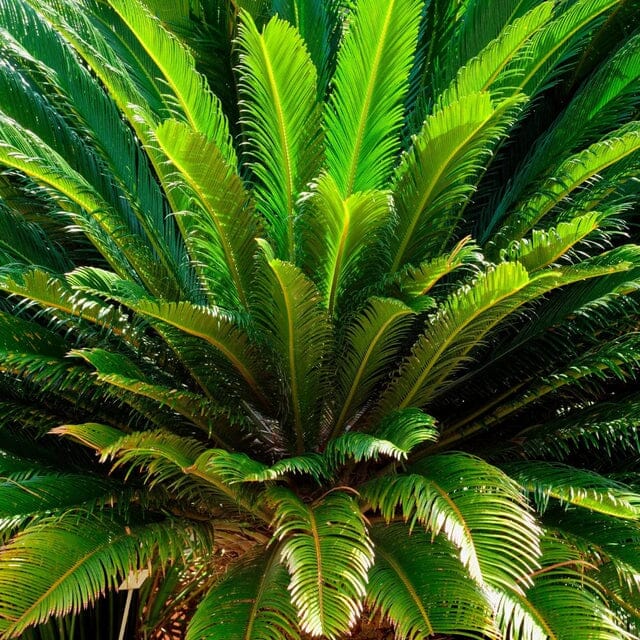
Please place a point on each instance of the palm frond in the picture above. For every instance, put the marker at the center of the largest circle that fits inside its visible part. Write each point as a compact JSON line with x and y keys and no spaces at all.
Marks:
{"x":250,"y":603}
{"x":471,"y":521}
{"x":416,"y":282}
{"x":372,"y":342}
{"x":419,"y":584}
{"x":29,"y":491}
{"x":213,"y":326}
{"x":569,"y":602}
{"x":319,"y":26}
{"x":216,"y":221}
{"x":365,"y":108}
{"x":549,"y":45}
{"x":568,"y":177}
{"x":93,"y":553}
{"x":328,"y":553}
{"x":489,"y":68}
{"x":573,"y":486}
{"x":290,"y":315}
{"x":186,"y":90}
{"x":439,"y":173}
{"x":278,"y":86}
{"x":461,"y":324}
{"x":343,"y":234}
{"x":602,"y":104}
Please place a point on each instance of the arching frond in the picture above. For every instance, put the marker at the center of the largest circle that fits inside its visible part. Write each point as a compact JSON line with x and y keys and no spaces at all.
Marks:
{"x":549,"y":45}
{"x":489,"y":68}
{"x":297,"y":327}
{"x":218,"y":225}
{"x":438,"y":174}
{"x":186,"y":90}
{"x":418,"y":583}
{"x":319,"y":26}
{"x":566,"y":603}
{"x":469,"y":315}
{"x":569,"y":176}
{"x":343,"y":234}
{"x":92,"y":553}
{"x":328,"y":553}
{"x":365,"y":108}
{"x":37,"y":492}
{"x":372,"y":343}
{"x":575,"y":486}
{"x":279,"y":90}
{"x":488,"y":502}
{"x":250,"y":603}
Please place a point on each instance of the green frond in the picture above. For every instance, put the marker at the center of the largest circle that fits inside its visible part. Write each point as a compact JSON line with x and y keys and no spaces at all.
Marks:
{"x":290,"y":315}
{"x":30,"y":490}
{"x":572,"y":486}
{"x":358,"y":446}
{"x":18,"y":334}
{"x":212,"y":325}
{"x":342,"y":238}
{"x":91,"y":434}
{"x":98,"y":144}
{"x":328,"y":553}
{"x":544,"y":248}
{"x":479,"y":30}
{"x":419,"y":584}
{"x":251,"y":602}
{"x":495,"y":515}
{"x":602,"y":104}
{"x":438,"y":174}
{"x":474,"y":518}
{"x":54,"y":294}
{"x":313,"y":465}
{"x":407,"y":428}
{"x":27,"y":243}
{"x":22,"y":150}
{"x":567,"y":177}
{"x":282,"y":118}
{"x":184,"y":88}
{"x":469,"y":314}
{"x":418,"y":281}
{"x":125,"y":379}
{"x":372,"y":343}
{"x":320,"y":28}
{"x":605,"y":427}
{"x":489,"y":68}
{"x":415,"y":499}
{"x":227,"y":467}
{"x":605,"y":539}
{"x":217,"y":221}
{"x":567,"y":603}
{"x":616,"y":359}
{"x":92,"y":553}
{"x":364,"y":114}
{"x":549,"y":45}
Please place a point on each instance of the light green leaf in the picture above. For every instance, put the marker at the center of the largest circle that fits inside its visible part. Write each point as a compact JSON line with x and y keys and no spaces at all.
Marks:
{"x":281,"y":114}
{"x":365,"y":108}
{"x":328,"y":554}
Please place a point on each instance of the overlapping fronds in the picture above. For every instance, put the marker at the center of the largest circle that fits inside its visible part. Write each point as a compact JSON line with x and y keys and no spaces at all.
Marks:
{"x":364,"y":114}
{"x":92,"y":553}
{"x":419,"y":584}
{"x":327,"y":552}
{"x":279,"y":94}
{"x":355,"y":284}
{"x":251,"y":603}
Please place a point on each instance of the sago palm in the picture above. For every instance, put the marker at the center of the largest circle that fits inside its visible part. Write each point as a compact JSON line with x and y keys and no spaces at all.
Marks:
{"x":317,"y":311}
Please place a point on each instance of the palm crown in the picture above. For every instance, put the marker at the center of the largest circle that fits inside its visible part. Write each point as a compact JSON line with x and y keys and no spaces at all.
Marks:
{"x":344,"y":289}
